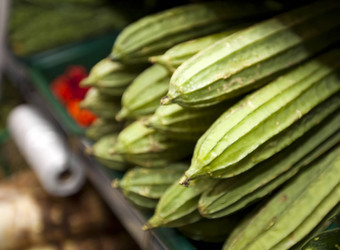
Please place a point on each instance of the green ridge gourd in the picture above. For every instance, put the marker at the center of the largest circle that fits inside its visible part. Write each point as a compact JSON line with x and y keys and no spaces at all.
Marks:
{"x":154,"y":34}
{"x":252,"y":57}
{"x":145,"y":147}
{"x":178,"y":206}
{"x":233,"y":194}
{"x":178,"y":54}
{"x":101,"y":127}
{"x":149,"y":183}
{"x":283,"y":139}
{"x":101,"y":151}
{"x":183,"y":123}
{"x":266,"y":113}
{"x":111,"y":78}
{"x":103,"y":106}
{"x":142,"y":97}
{"x":294,"y":211}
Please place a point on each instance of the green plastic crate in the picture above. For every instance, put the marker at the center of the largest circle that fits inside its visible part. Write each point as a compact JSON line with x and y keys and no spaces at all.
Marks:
{"x":45,"y":67}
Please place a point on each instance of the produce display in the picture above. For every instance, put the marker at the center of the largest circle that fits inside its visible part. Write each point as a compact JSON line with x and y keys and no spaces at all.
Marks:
{"x":230,"y":120}
{"x":292,"y":104}
{"x":295,"y":210}
{"x":154,"y":34}
{"x":250,"y":58}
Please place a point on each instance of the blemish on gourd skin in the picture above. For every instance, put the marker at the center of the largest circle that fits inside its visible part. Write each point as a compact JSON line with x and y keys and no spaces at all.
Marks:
{"x":145,"y":49}
{"x":148,"y":163}
{"x":250,"y":104}
{"x":238,"y":80}
{"x":226,"y":76}
{"x":284,"y":198}
{"x":145,"y":191}
{"x":219,"y":76}
{"x":154,"y":145}
{"x":299,"y":113}
{"x":271,"y":223}
{"x":232,"y":111}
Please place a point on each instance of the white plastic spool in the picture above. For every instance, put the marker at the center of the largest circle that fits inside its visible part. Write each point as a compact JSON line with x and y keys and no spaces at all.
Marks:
{"x":58,"y":170}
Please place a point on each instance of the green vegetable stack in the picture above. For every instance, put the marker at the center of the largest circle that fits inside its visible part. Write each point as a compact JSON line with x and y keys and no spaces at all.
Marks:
{"x":126,"y":76}
{"x":108,"y":80}
{"x":255,"y":105}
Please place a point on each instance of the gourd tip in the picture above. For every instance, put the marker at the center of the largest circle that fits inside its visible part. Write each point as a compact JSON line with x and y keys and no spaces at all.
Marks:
{"x":146,"y":123}
{"x":115,"y":183}
{"x":153,"y":59}
{"x":146,"y":227}
{"x":119,"y":117}
{"x":87,"y":82}
{"x":185,"y":180}
{"x":89,"y":151}
{"x":122,"y":115}
{"x":166,"y":100}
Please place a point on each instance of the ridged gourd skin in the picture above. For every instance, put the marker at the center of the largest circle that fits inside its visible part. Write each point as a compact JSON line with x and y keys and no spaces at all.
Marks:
{"x":145,"y":147}
{"x":294,"y":211}
{"x":143,"y":96}
{"x":151,"y":183}
{"x":178,"y":54}
{"x":264,"y":114}
{"x":142,"y":202}
{"x":252,"y":57}
{"x":178,"y":206}
{"x":183,"y":123}
{"x":233,"y":194}
{"x":102,"y":105}
{"x":110,"y":77}
{"x":154,"y":34}
{"x":283,"y":139}
{"x":101,"y":151}
{"x":101,"y":127}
